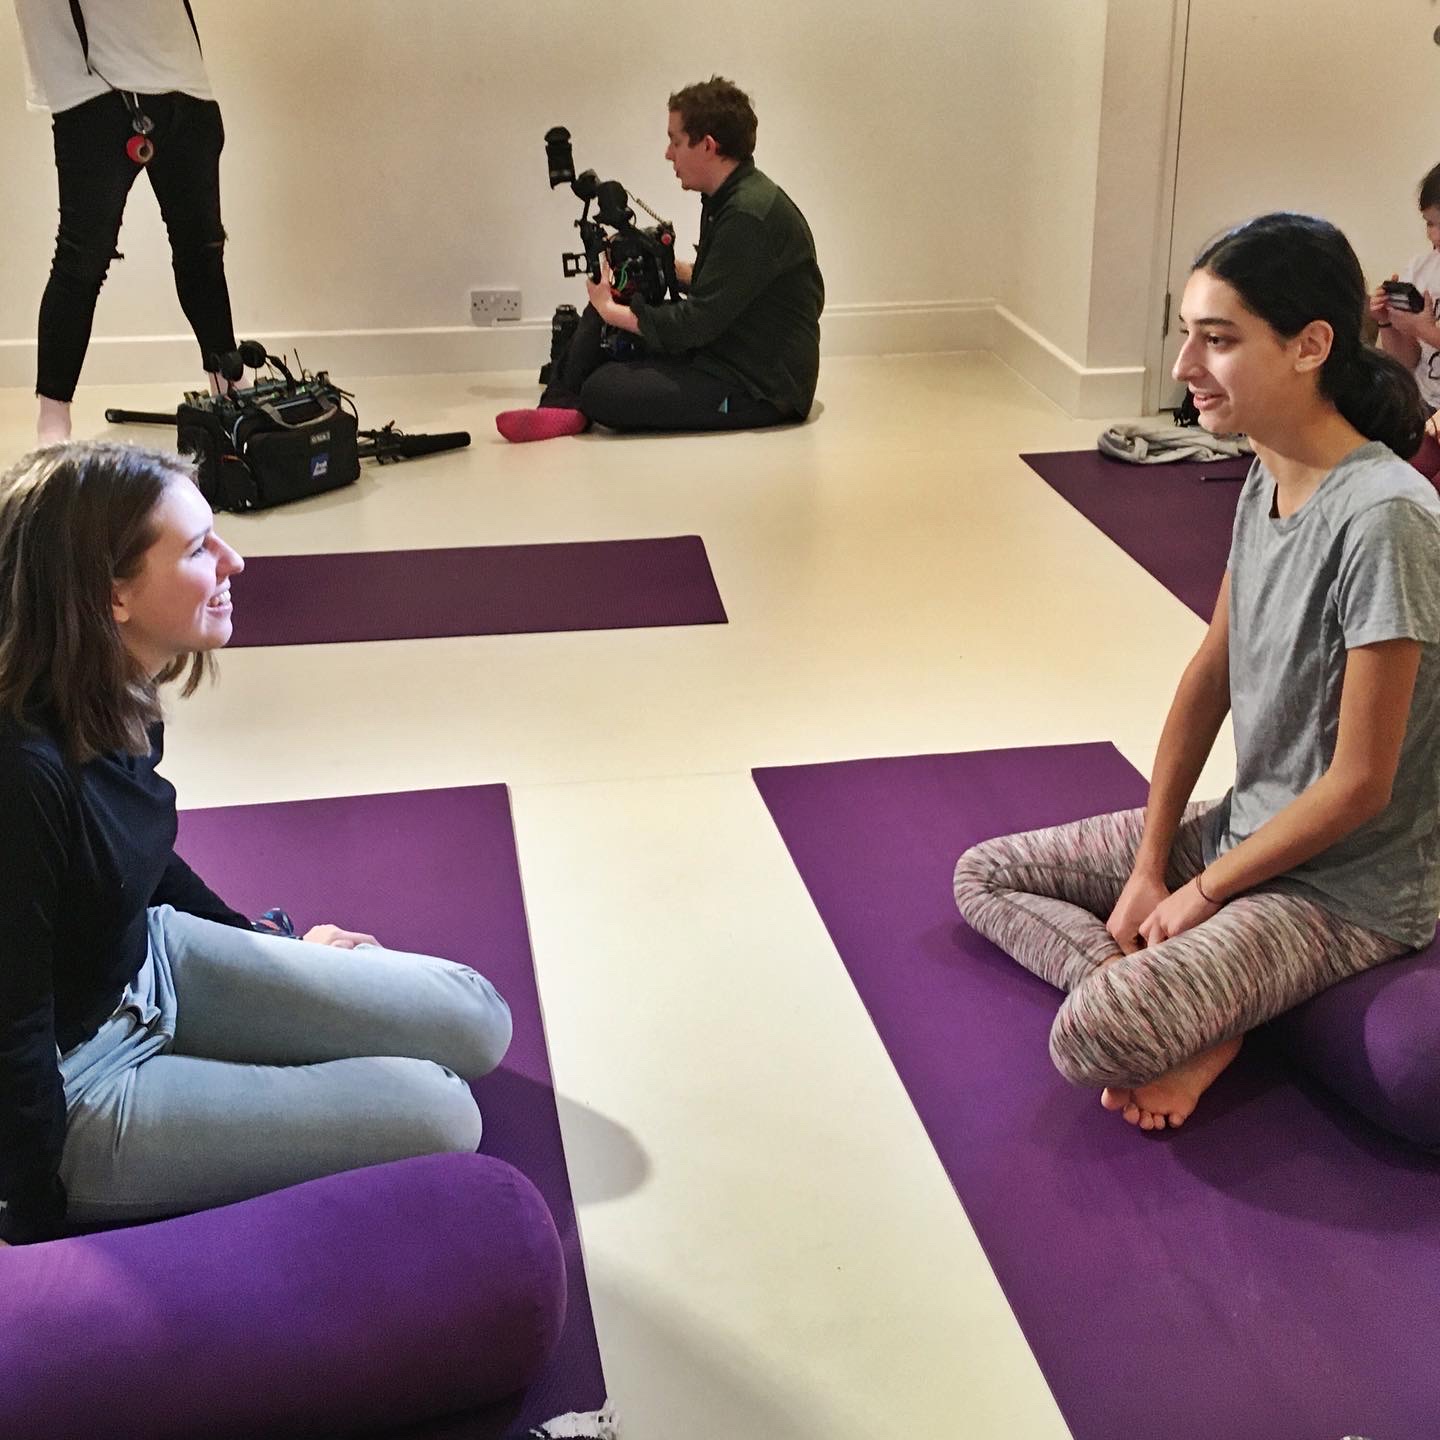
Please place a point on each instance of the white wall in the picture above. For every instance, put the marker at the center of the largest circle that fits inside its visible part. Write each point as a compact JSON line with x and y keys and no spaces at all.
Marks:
{"x":385,"y":157}
{"x":976,"y":174}
{"x":1049,"y":130}
{"x":1086,"y":116}
{"x":1132,"y":202}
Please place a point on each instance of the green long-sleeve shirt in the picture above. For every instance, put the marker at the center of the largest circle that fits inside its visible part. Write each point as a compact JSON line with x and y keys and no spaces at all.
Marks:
{"x":752,"y":314}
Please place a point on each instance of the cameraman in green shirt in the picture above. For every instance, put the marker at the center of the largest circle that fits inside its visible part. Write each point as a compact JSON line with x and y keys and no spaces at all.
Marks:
{"x":742,"y":349}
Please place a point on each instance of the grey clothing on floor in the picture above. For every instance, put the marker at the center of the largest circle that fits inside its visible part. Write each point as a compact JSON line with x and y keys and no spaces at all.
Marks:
{"x":1156,"y":444}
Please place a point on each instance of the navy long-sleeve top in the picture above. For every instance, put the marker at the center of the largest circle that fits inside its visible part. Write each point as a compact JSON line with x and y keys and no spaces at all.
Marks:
{"x":85,"y":850}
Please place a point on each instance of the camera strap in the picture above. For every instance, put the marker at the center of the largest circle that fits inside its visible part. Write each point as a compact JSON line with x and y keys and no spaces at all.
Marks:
{"x":139,"y":147}
{"x":78,"y":16}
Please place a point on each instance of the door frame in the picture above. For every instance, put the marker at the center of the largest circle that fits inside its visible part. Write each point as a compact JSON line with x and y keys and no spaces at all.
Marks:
{"x":1158,"y":384}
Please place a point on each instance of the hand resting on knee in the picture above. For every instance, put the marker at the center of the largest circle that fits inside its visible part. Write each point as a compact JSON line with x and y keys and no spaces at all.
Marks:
{"x":340,"y":939}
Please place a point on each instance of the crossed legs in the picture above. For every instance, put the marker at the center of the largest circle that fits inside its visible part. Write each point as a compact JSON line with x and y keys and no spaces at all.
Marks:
{"x":1153,"y":1029}
{"x":241,"y":1063}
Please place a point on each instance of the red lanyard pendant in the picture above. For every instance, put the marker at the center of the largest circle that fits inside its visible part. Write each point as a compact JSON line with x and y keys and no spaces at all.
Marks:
{"x":139,"y":147}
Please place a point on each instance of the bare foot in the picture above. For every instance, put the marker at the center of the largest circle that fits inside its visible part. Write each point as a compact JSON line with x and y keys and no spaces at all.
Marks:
{"x":1169,"y":1101}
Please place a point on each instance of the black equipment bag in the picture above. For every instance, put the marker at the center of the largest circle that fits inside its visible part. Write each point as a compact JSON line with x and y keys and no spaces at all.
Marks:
{"x":254,"y":454}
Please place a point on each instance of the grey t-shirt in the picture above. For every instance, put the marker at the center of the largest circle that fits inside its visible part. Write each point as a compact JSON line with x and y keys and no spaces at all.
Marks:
{"x":1358,"y":563}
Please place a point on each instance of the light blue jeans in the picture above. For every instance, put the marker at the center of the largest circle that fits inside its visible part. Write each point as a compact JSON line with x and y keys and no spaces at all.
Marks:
{"x":238,"y":1063}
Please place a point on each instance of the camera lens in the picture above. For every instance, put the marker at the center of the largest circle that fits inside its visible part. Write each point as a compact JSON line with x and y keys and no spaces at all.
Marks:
{"x":559,"y":156}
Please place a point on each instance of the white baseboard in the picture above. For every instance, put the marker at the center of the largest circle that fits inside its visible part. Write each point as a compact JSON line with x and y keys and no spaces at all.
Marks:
{"x":891,"y":328}
{"x":1089,"y":393}
{"x":905,"y":328}
{"x":346,"y":354}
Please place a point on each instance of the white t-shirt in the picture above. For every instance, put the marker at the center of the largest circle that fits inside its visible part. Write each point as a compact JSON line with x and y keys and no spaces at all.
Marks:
{"x":1423,"y":272}
{"x":145,"y":46}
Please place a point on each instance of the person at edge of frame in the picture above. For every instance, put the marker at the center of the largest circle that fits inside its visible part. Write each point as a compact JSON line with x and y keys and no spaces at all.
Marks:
{"x":126,"y":87}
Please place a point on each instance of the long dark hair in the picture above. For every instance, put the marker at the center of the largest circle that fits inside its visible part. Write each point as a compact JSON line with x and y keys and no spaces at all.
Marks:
{"x":1292,"y":269}
{"x":74,"y":519}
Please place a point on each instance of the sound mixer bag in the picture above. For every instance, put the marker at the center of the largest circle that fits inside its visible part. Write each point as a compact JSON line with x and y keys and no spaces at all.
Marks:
{"x":255,"y":455}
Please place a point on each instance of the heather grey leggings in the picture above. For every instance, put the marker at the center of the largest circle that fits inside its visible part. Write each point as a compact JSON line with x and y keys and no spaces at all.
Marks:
{"x":1043,"y":897}
{"x":238,"y":1063}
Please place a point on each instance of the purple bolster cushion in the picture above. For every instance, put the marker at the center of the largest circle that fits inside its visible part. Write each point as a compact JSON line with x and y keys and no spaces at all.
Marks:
{"x":376,"y":1297}
{"x":1375,"y":1041}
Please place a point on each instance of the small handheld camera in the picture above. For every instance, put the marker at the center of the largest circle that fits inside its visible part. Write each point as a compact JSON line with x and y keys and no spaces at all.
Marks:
{"x":1402,"y":295}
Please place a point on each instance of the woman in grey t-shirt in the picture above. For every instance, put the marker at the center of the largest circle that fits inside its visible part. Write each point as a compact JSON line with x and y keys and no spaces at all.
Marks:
{"x":1324,"y":858}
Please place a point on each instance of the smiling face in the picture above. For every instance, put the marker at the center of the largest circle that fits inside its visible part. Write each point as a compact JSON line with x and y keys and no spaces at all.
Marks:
{"x":178,"y":602}
{"x":1245,"y":378}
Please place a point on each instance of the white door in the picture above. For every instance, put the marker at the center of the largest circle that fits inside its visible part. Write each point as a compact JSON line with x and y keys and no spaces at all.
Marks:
{"x":1326,"y":106}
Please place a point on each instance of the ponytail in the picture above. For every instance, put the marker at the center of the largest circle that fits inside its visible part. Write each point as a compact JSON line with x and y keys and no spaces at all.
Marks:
{"x":1378,"y":396}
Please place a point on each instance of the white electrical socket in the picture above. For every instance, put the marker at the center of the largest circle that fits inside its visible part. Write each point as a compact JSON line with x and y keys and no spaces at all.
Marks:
{"x":494,"y":307}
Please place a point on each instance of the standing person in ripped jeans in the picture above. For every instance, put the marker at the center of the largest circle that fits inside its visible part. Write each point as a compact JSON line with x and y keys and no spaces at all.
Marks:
{"x":1176,"y":929}
{"x":157,"y":1055}
{"x":125,"y":84}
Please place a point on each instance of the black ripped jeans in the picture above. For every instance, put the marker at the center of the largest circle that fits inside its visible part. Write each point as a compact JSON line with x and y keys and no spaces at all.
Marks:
{"x":95,"y":177}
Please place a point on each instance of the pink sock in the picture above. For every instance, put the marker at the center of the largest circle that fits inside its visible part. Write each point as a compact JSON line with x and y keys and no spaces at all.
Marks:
{"x":541,"y":423}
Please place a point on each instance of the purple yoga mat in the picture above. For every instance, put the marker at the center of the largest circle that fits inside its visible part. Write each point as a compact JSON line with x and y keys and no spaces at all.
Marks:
{"x":483,"y":590}
{"x":435,"y":872}
{"x":1273,"y":1269}
{"x":1174,"y":520}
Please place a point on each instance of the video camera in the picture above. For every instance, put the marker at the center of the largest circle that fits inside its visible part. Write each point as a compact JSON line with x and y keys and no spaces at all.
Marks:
{"x":642,"y":261}
{"x":281,"y":439}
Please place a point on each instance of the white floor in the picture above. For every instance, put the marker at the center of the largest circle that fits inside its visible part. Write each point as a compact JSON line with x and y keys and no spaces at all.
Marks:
{"x":773,"y":1249}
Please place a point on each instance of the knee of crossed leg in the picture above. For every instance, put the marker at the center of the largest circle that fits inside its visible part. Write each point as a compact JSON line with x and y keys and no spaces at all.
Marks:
{"x":1073,"y":1054}
{"x":486,"y":1027}
{"x":1082,"y":1037}
{"x":445,"y":1117}
{"x":604,"y":398}
{"x":1093,"y":1040}
{"x":973,"y":874}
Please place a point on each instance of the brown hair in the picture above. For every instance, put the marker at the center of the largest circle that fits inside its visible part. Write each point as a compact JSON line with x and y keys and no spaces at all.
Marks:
{"x":74,"y":519}
{"x":1430,"y":189}
{"x":720,"y":108}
